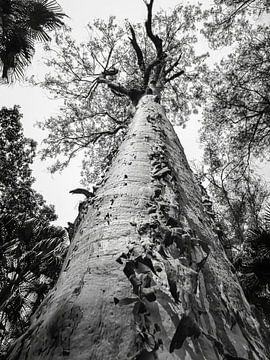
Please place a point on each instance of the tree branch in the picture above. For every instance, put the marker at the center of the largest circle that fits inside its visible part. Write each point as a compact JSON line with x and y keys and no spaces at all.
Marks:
{"x":137,"y":49}
{"x":173,"y":65}
{"x":156,"y":40}
{"x":97,"y":135}
{"x":229,"y":18}
{"x":115,"y":87}
{"x":119,"y":90}
{"x":174,"y":76}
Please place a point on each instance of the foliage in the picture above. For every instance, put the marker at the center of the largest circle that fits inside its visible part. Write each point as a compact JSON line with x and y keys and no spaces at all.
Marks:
{"x":228,"y":18}
{"x":130,"y":61}
{"x":22,"y":22}
{"x":235,"y":127}
{"x":238,"y":106}
{"x":31,"y":250}
{"x":237,"y":198}
{"x":253,"y":266}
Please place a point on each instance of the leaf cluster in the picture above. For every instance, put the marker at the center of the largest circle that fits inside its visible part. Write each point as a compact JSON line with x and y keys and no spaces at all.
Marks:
{"x":253,"y":266}
{"x":226,"y":19}
{"x":237,"y":198}
{"x":238,"y":98}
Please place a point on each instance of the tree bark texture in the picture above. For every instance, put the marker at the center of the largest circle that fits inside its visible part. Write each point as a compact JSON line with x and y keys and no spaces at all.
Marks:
{"x":146,"y":276}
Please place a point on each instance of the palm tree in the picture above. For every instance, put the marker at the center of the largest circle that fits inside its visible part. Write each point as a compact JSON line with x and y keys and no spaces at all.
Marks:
{"x":30,"y":262}
{"x":253,"y":266}
{"x":21,"y":24}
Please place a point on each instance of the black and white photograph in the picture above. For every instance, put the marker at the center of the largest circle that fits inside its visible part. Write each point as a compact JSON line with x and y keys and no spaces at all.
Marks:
{"x":134,"y":180}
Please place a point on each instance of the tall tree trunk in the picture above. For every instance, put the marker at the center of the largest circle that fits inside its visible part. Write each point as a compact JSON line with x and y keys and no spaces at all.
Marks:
{"x":146,"y":276}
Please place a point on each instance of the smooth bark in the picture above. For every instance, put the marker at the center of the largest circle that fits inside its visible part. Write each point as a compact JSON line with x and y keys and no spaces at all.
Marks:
{"x":146,"y":276}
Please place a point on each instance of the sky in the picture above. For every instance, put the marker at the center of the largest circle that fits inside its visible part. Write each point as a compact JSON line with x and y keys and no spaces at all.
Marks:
{"x":37,"y":105}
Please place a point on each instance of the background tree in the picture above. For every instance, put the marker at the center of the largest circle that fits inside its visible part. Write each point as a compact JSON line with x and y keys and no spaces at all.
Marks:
{"x":237,"y":199}
{"x":235,"y":134}
{"x":21,"y":24}
{"x":235,"y":129}
{"x":32,"y":250}
{"x":238,"y":98}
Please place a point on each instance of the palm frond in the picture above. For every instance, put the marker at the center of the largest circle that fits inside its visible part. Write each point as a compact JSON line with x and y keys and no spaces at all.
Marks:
{"x":23,"y":22}
{"x":16,"y":52}
{"x":266,"y":217}
{"x":44,"y":15}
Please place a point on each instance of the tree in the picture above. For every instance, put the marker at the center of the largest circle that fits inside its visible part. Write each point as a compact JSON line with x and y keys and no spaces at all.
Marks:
{"x":21,"y":24}
{"x":146,"y":276}
{"x":238,"y":193}
{"x":237,"y":106}
{"x":238,"y":95}
{"x":32,"y":250}
{"x":236,"y":119}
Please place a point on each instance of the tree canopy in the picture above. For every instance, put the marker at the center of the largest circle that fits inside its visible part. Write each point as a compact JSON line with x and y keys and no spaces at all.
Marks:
{"x":129,"y":61}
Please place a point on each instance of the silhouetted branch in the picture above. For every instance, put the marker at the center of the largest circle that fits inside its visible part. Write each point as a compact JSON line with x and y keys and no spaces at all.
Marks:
{"x":137,"y":49}
{"x":81,"y":191}
{"x":173,"y":65}
{"x":174,"y":76}
{"x":229,"y":18}
{"x":98,"y":135}
{"x":115,"y":87}
{"x":156,"y":40}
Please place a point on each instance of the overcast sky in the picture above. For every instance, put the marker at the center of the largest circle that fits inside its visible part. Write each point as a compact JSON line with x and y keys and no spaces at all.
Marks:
{"x":36,"y":104}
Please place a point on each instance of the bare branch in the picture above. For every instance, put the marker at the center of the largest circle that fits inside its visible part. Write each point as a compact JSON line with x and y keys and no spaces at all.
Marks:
{"x":109,"y":57}
{"x":156,"y":40}
{"x":174,"y":76}
{"x":119,"y":90}
{"x":98,"y":135}
{"x":137,"y":49}
{"x":116,"y":87}
{"x":92,"y":89}
{"x":173,"y":65}
{"x":117,"y":93}
{"x":229,"y":18}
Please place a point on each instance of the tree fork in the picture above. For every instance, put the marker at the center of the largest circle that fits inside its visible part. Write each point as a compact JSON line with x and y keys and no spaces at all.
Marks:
{"x":146,"y":276}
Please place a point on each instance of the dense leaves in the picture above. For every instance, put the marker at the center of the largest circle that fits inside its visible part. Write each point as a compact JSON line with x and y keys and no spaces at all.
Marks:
{"x":235,"y":127}
{"x":130,"y":61}
{"x":31,"y":250}
{"x":226,"y":19}
{"x":22,"y":22}
{"x":238,"y":104}
{"x":253,"y":266}
{"x":237,"y":199}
